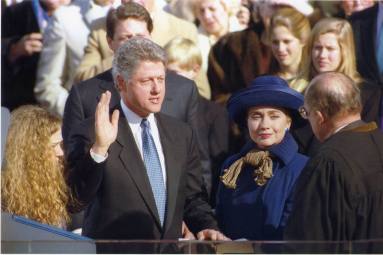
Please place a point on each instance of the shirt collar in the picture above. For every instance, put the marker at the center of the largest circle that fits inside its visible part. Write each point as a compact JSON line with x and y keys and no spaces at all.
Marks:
{"x":132,"y":117}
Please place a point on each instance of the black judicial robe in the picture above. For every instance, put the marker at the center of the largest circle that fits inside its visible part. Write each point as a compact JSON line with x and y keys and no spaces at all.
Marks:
{"x":339,"y":195}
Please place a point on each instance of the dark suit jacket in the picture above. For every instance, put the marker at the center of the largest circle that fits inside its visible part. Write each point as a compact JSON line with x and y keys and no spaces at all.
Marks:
{"x":181,"y":100}
{"x":118,"y":193}
{"x":18,"y":78}
{"x":364,"y":27}
{"x":213,"y":129}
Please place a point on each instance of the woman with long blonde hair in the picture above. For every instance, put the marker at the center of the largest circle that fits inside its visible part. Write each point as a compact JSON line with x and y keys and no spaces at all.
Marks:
{"x":288,"y":34}
{"x":331,"y":47}
{"x":33,"y":183}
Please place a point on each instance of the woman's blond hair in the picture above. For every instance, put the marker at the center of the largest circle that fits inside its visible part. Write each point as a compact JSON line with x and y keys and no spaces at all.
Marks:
{"x":297,"y":23}
{"x":33,"y":183}
{"x":343,"y":31}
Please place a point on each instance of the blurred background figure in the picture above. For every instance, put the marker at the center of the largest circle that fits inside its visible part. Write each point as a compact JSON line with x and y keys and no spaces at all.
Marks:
{"x":33,"y":180}
{"x":351,"y":6}
{"x":63,"y":48}
{"x":215,"y":20}
{"x":185,"y":58}
{"x":368,"y":35}
{"x":244,"y":14}
{"x":237,"y":58}
{"x":331,"y":48}
{"x":22,"y":28}
{"x":98,"y":56}
{"x":182,"y":9}
{"x":9,"y":2}
{"x":288,"y":34}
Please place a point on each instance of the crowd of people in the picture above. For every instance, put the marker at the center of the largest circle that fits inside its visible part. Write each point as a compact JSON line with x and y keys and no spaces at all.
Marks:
{"x":199,"y":119}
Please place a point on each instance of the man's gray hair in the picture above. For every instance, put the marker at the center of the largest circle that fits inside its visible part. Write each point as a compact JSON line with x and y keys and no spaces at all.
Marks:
{"x":334,"y":94}
{"x":131,"y":53}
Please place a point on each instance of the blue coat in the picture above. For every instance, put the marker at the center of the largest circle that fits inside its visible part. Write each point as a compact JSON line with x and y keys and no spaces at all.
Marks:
{"x":260,"y":212}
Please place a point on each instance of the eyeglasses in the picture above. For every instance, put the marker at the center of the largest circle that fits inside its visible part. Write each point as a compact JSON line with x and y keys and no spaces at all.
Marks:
{"x":304,"y":112}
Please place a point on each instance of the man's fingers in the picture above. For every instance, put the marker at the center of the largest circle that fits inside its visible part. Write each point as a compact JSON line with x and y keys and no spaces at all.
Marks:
{"x":31,"y":46}
{"x":34,"y":46}
{"x":115,"y":116}
{"x":223,"y":237}
{"x":209,"y":234}
{"x":107,"y":101}
{"x":104,"y":102}
{"x":34,"y":36}
{"x":213,"y":235}
{"x":100,"y":108}
{"x":98,"y":113}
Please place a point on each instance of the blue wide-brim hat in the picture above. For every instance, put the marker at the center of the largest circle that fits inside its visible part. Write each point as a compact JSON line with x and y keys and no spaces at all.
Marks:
{"x":269,"y":91}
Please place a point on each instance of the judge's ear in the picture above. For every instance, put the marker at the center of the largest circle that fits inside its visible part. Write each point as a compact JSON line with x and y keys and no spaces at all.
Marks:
{"x":321,"y":118}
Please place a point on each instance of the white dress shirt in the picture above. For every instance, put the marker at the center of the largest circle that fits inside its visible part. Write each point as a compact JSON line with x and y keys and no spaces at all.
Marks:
{"x":134,"y":122}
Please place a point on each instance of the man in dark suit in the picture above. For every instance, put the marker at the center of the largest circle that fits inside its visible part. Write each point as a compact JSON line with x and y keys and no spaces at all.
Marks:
{"x":123,"y":23}
{"x":138,"y":171}
{"x":127,"y":21}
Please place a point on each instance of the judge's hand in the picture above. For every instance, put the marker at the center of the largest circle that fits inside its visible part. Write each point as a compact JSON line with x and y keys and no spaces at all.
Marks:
{"x":211,"y":234}
{"x":186,"y":233}
{"x":105,"y":128}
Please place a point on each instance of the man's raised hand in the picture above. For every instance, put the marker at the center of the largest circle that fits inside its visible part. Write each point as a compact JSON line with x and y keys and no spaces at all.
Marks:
{"x":106,"y":128}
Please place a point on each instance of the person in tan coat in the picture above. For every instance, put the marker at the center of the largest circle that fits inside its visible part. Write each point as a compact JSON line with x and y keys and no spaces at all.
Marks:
{"x":98,"y":56}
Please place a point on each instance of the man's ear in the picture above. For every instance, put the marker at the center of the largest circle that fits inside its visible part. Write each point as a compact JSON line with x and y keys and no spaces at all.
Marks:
{"x":110,"y":42}
{"x":320,"y":117}
{"x":121,"y":84}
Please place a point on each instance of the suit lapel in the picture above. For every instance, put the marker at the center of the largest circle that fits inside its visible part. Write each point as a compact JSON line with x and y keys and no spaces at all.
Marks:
{"x":173,"y":170}
{"x":131,"y":159}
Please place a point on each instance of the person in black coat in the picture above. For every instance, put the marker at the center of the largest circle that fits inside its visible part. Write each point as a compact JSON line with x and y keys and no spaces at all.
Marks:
{"x":21,"y":42}
{"x":366,"y":26}
{"x":339,"y":195}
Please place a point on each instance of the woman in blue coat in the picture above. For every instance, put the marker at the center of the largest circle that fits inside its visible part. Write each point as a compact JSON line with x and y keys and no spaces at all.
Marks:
{"x":254,"y":196}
